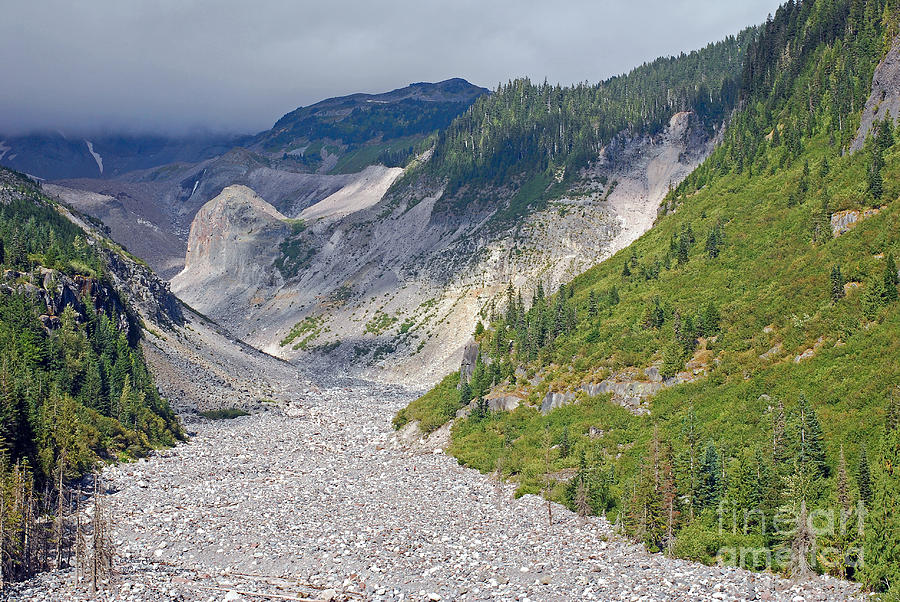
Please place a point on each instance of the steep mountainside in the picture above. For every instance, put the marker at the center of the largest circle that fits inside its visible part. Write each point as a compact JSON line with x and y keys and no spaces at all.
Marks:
{"x":75,"y":387}
{"x":736,"y":365}
{"x":54,"y":156}
{"x":310,"y":154}
{"x":396,"y":286}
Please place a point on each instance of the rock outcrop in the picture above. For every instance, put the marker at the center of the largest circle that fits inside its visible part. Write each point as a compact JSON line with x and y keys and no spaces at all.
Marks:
{"x":395,"y":286}
{"x":232,"y":247}
{"x":58,"y":291}
{"x":884,"y":101}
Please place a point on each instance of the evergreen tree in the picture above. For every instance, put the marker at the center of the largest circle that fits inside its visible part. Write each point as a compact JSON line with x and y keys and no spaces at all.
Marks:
{"x":614,"y":296}
{"x":565,"y":443}
{"x":811,"y":452}
{"x":593,"y":307}
{"x":690,"y":472}
{"x":710,"y":485}
{"x":864,"y":478}
{"x":882,"y":543}
{"x":837,"y":284}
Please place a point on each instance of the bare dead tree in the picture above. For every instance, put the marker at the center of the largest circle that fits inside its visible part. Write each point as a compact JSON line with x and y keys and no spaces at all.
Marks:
{"x":59,"y":519}
{"x":582,"y":506}
{"x":802,"y":543}
{"x":80,"y":543}
{"x":101,"y":561}
{"x":3,"y":502}
{"x":548,"y":479}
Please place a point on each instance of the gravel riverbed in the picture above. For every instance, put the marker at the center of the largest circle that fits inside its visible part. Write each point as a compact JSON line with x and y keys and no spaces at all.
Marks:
{"x":313,"y":499}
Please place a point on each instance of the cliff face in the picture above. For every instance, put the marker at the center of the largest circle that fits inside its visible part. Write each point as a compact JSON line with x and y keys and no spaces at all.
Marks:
{"x":884,"y":101}
{"x":233,"y":244}
{"x":395,"y":287}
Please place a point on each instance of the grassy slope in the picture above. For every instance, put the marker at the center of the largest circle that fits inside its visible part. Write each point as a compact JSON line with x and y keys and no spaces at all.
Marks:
{"x":769,"y":273}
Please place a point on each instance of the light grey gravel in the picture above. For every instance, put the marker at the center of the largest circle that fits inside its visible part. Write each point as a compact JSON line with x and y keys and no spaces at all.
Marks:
{"x":314,"y":500}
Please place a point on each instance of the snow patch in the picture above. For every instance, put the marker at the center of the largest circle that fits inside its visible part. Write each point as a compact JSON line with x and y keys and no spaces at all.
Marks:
{"x":4,"y":149}
{"x":96,"y":155}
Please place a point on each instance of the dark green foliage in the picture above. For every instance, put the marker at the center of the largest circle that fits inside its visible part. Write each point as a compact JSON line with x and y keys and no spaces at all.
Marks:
{"x":890,"y":279}
{"x":596,"y":482}
{"x":837,"y":284}
{"x":224,"y":414}
{"x":810,"y":441}
{"x":710,"y":485}
{"x":766,"y":289}
{"x":882,"y":543}
{"x":714,"y":241}
{"x":864,"y":478}
{"x":69,"y":396}
{"x":396,"y":158}
{"x":547,"y":132}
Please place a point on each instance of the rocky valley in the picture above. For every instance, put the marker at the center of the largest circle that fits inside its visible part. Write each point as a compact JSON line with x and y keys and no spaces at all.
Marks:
{"x":626,"y":340}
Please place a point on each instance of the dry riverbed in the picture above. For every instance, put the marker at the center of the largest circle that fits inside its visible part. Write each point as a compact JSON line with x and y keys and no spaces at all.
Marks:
{"x":312,"y":500}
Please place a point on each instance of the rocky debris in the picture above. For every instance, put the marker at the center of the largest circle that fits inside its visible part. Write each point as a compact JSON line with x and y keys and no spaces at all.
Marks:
{"x":884,"y":101}
{"x":843,"y":221}
{"x":367,"y":189}
{"x":410,"y":438}
{"x":199,"y":367}
{"x":321,"y":505}
{"x":808,"y":353}
{"x":771,"y":353}
{"x":506,"y":402}
{"x":147,"y":293}
{"x":426,"y":271}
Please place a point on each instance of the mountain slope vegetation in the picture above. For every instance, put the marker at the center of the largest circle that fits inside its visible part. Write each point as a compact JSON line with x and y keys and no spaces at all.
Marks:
{"x":537,"y":138}
{"x":74,"y":388}
{"x":763,"y":309}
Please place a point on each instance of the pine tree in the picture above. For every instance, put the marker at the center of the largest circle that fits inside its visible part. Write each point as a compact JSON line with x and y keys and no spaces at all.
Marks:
{"x":811,"y":453}
{"x":593,"y":307}
{"x":875,"y":178}
{"x":565,"y":443}
{"x":864,"y":478}
{"x":710,"y":486}
{"x":691,"y":469}
{"x":882,"y":544}
{"x":837,"y":284}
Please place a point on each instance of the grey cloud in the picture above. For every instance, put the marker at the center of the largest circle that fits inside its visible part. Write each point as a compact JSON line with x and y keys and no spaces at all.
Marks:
{"x":234,"y":65}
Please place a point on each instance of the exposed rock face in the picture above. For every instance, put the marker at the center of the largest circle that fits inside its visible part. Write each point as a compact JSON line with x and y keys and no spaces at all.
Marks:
{"x":366,"y":190}
{"x":135,"y":224}
{"x":57,"y":291}
{"x":233,"y":245}
{"x":150,"y":212}
{"x":469,"y":359}
{"x":844,"y":221}
{"x":884,"y":101}
{"x":396,"y":286}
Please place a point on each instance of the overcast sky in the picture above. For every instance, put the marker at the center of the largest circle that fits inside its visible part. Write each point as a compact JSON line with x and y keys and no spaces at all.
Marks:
{"x":238,"y":65}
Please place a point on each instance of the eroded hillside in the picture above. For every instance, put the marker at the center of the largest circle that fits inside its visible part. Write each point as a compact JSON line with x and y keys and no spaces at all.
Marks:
{"x":397,"y":285}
